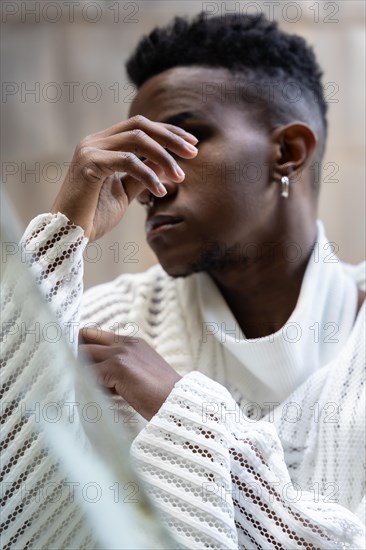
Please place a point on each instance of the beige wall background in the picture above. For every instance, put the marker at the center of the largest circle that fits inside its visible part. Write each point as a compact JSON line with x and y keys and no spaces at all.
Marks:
{"x":62,"y":71}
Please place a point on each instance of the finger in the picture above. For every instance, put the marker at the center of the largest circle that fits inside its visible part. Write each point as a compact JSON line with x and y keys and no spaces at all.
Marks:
{"x":149,"y":144}
{"x":109,"y":375}
{"x":96,"y":353}
{"x":143,"y":123}
{"x":159,"y":171}
{"x":105,"y":163}
{"x":133,"y":187}
{"x":93,"y":335}
{"x":185,"y":135}
{"x":142,"y":145}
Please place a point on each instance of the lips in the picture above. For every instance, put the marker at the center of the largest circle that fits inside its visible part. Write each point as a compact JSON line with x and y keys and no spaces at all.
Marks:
{"x":161,"y":220}
{"x":157,"y":221}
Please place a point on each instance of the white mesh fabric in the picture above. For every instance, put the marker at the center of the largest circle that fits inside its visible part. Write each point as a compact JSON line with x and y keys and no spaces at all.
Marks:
{"x":28,"y":465}
{"x":231,"y":476}
{"x":205,"y":461}
{"x":324,"y":448}
{"x":49,"y":466}
{"x":218,"y":479}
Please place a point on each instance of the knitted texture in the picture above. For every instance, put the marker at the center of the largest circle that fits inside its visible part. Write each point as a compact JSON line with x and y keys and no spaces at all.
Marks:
{"x":218,"y":478}
{"x":34,"y":513}
{"x":224,"y":481}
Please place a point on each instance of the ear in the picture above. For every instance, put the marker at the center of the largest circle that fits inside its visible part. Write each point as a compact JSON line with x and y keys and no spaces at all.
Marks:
{"x":294,"y":146}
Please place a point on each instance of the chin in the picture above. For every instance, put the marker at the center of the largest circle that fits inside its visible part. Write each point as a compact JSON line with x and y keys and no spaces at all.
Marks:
{"x":214,"y":258}
{"x":179,"y":261}
{"x":177,"y":270}
{"x":211,"y":256}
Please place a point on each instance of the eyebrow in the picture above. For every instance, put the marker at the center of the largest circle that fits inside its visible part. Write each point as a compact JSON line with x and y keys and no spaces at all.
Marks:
{"x":179,"y":118}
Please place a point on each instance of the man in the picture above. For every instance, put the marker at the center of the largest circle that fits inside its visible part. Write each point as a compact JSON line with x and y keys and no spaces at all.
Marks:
{"x":223,"y":160}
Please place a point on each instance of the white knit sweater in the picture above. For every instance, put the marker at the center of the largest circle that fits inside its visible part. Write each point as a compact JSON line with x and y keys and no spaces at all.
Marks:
{"x":276,"y":460}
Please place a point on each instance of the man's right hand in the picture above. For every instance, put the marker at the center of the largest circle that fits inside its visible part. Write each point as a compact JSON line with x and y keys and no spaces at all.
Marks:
{"x":93,"y":194}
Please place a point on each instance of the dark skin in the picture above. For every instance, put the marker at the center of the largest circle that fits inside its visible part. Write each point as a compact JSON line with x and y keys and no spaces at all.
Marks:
{"x":237,"y":211}
{"x":129,"y":367}
{"x":241,"y":214}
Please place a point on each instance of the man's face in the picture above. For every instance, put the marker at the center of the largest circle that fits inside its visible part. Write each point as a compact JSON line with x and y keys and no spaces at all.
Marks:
{"x":226,"y":200}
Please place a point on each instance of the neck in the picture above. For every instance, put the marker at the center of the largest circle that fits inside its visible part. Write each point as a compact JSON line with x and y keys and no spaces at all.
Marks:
{"x":263,"y":294}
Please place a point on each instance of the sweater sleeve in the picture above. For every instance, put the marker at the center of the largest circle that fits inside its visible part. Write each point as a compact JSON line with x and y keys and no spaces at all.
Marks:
{"x":221,"y":481}
{"x":37,"y":511}
{"x":52,"y":248}
{"x":48,"y":459}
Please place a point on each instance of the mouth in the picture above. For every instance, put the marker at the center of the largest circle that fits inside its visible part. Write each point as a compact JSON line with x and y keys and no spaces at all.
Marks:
{"x":160,"y":223}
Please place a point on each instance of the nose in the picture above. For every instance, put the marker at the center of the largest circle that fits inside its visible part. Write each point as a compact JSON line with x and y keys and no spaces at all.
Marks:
{"x":145,"y":197}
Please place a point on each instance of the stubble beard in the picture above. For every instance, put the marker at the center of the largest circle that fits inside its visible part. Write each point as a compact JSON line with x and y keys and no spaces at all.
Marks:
{"x":214,"y":256}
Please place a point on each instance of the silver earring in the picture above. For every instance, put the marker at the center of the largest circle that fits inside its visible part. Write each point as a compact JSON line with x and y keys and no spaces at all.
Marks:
{"x":285,"y":186}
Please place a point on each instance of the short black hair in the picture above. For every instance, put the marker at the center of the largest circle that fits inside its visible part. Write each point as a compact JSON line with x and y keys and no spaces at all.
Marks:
{"x":246,"y":45}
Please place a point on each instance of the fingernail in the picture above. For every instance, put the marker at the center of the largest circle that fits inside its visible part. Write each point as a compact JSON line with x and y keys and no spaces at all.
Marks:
{"x":191,"y":148}
{"x":179,"y":171}
{"x":192,"y":137}
{"x":162,"y":190}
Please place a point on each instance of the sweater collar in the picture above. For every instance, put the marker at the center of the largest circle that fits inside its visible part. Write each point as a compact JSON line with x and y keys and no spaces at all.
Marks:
{"x":314,"y":333}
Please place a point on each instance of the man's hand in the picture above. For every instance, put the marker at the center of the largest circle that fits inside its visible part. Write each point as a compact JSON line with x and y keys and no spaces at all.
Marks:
{"x":93,"y":194}
{"x":129,"y":367}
